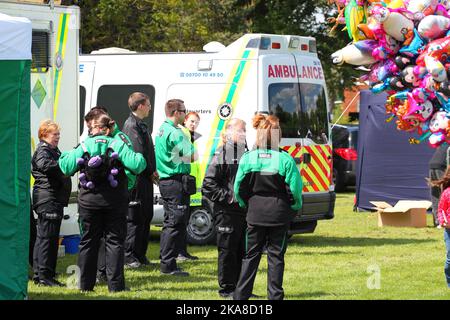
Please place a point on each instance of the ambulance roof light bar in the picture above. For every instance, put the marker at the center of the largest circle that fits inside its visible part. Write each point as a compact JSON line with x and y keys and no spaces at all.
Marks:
{"x":263,"y":43}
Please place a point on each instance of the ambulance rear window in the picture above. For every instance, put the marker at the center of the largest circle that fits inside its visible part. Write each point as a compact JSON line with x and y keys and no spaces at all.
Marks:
{"x":302,"y":110}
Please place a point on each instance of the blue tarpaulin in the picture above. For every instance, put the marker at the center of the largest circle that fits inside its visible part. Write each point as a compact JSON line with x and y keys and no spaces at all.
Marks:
{"x":389,"y":168}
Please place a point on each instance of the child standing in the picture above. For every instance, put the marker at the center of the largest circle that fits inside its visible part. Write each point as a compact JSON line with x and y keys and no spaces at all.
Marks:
{"x":444,"y":216}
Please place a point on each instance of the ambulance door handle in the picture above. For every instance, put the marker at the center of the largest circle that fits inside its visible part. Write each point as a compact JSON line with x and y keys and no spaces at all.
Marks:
{"x":298,"y":160}
{"x":306,"y":158}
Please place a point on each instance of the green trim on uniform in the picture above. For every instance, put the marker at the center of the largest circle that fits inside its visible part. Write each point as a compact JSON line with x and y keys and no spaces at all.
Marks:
{"x":264,"y":160}
{"x":97,"y":145}
{"x":283,"y":243}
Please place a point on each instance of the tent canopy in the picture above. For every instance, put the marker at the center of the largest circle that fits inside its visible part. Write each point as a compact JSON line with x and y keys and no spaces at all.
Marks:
{"x":15,"y":38}
{"x":15,"y":56}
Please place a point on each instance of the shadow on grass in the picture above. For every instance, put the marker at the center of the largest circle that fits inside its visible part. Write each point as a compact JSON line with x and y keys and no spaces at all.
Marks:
{"x":324,"y":241}
{"x":306,"y":295}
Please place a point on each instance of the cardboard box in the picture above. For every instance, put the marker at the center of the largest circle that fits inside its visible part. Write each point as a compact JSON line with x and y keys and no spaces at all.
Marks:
{"x":405,"y":213}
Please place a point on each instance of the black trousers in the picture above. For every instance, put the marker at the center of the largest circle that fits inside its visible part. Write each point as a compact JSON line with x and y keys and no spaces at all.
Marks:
{"x":230,"y":245}
{"x":176,"y":208}
{"x":33,"y":233}
{"x":112,"y":225}
{"x":139,"y":218}
{"x":45,"y":253}
{"x":101,"y":260}
{"x":435,"y":174}
{"x":257,"y":237}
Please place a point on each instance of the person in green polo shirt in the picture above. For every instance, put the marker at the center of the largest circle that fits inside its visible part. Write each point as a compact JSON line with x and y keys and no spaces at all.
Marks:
{"x":102,"y":205}
{"x":174,"y":153}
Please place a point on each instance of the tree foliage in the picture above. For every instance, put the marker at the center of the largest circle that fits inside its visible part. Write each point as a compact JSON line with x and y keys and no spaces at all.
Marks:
{"x":187,"y":25}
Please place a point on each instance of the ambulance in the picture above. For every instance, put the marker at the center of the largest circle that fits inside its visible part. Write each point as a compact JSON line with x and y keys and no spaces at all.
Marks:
{"x":272,"y":74}
{"x":54,"y":77}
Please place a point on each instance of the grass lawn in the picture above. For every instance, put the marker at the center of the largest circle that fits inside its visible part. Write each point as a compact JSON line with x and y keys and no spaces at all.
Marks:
{"x":340,"y":260}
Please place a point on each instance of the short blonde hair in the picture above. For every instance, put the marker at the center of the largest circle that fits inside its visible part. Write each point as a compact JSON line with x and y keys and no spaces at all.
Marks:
{"x":46,"y":127}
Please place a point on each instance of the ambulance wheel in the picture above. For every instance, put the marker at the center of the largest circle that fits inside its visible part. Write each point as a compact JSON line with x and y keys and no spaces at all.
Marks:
{"x":200,"y":228}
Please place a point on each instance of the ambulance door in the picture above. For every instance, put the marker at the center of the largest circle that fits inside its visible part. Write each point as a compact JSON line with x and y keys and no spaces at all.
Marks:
{"x":314,"y":129}
{"x":86,"y":78}
{"x":296,"y":94}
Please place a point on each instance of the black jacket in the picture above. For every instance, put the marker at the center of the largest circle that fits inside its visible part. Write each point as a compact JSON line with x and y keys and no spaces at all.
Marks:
{"x":50,"y":183}
{"x":217,"y":188}
{"x":137,"y":130}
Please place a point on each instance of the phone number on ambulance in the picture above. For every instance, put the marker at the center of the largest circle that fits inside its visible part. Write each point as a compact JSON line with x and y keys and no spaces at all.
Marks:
{"x":201,"y":74}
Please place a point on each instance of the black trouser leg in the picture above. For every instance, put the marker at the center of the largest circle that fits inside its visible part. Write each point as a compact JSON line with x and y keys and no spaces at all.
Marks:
{"x":115,"y":229}
{"x":276,"y":248}
{"x":134,"y":234}
{"x":230,"y":244}
{"x":147,"y":214}
{"x":255,"y":241}
{"x":46,"y":246}
{"x":183,"y":237}
{"x":435,"y":174}
{"x":93,"y":226}
{"x":101,"y":262}
{"x":176,"y":202}
{"x":33,"y":233}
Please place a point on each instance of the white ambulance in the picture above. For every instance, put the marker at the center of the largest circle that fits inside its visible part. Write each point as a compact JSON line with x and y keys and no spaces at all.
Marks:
{"x":277,"y":74}
{"x":54,"y":77}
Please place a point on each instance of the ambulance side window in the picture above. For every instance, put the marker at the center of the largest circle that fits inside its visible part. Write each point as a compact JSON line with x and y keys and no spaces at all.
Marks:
{"x":115,"y":99}
{"x":315,"y":112}
{"x":284,"y":102}
{"x":40,"y":51}
{"x":302,"y":110}
{"x":82,"y":106}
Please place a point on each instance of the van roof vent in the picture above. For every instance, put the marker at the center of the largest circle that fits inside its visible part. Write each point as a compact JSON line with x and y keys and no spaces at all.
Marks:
{"x":112,"y":50}
{"x":213,"y":46}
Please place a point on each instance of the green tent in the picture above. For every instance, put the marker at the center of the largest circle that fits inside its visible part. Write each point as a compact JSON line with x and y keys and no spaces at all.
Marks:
{"x":15,"y":64}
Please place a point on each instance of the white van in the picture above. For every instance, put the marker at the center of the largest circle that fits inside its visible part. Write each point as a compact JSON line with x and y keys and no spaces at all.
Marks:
{"x":54,"y":78}
{"x":267,"y":73}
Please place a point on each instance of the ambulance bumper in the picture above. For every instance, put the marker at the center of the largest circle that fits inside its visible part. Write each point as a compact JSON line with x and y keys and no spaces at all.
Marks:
{"x":317,"y":206}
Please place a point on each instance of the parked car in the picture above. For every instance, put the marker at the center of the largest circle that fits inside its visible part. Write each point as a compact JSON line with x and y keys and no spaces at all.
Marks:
{"x":345,"y":154}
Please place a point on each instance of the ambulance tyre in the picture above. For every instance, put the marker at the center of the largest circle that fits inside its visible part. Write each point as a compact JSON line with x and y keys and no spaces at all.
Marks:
{"x":200,"y":228}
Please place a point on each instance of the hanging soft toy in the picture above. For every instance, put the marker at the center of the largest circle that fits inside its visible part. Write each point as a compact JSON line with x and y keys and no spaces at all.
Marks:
{"x":438,"y":128}
{"x":359,"y":53}
{"x":433,"y":27}
{"x":438,"y":49}
{"x":422,"y":8}
{"x":422,"y":111}
{"x":396,"y":22}
{"x":436,"y":69}
{"x":98,"y":168}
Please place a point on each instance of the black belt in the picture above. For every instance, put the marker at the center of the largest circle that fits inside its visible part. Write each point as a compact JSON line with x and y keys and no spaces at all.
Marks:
{"x":176,"y":177}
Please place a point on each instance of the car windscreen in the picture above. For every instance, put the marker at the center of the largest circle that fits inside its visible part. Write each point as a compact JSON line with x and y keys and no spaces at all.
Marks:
{"x":302,"y":110}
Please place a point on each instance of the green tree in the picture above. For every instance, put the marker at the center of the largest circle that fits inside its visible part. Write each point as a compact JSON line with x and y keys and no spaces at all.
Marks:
{"x":187,"y":25}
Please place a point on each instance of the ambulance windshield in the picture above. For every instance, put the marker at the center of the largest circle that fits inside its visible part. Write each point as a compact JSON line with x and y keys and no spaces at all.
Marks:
{"x":302,"y":110}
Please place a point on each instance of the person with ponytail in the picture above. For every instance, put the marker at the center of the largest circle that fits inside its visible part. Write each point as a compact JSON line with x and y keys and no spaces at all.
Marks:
{"x":102,"y":205}
{"x":268,"y":184}
{"x":229,"y":217}
{"x":443,"y":216}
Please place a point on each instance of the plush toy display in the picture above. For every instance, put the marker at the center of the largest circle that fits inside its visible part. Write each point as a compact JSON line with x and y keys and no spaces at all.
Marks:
{"x":95,"y":163}
{"x":405,"y":44}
